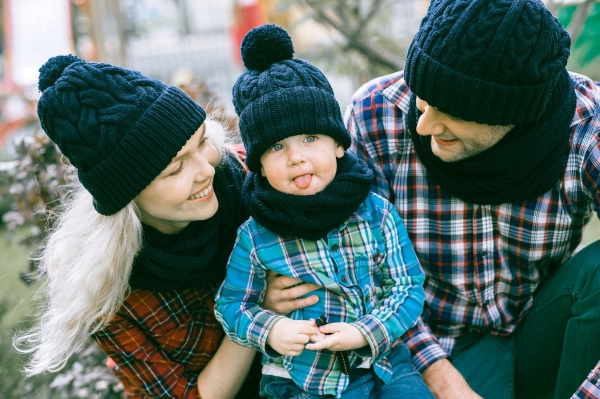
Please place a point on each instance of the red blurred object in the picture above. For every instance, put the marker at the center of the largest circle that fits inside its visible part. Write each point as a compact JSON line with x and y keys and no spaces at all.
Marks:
{"x":247,"y":14}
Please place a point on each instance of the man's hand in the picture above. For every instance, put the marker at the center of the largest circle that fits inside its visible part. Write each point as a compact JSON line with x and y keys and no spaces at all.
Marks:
{"x":283,"y":294}
{"x":343,"y":336}
{"x":288,"y":336}
{"x":446,"y":382}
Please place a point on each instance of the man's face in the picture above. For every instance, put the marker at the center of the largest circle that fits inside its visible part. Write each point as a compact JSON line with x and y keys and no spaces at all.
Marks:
{"x":454,"y":139}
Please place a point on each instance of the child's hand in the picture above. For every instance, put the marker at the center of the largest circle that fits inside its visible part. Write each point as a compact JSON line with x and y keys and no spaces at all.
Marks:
{"x":343,"y":337}
{"x":288,"y":336}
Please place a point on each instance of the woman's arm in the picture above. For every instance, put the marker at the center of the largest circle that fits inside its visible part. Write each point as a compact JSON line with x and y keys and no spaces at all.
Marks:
{"x":225,"y":373}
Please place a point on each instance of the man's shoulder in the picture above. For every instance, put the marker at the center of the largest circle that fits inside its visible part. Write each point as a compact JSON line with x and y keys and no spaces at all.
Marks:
{"x":586,"y":120}
{"x":380,"y":84}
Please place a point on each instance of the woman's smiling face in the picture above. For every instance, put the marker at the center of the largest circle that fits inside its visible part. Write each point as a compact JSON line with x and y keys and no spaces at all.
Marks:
{"x":183,"y":191}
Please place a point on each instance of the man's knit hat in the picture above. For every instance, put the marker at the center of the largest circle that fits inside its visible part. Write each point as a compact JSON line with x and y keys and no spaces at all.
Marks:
{"x":280,"y":96}
{"x":119,"y":128}
{"x":488,"y":61}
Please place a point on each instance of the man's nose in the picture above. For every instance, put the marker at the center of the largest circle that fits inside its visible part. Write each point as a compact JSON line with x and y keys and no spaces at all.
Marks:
{"x":431,"y":122}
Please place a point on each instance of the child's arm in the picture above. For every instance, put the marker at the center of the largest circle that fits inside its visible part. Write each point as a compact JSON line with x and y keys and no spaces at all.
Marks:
{"x":237,"y":301}
{"x":243,"y":319}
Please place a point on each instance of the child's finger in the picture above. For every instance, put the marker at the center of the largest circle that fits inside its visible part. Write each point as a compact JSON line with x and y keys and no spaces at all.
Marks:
{"x":332,"y":328}
{"x":316,"y":346}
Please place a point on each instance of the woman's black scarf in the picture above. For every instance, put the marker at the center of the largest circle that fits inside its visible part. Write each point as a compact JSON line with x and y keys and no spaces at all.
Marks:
{"x":526,"y":163}
{"x":197,"y":256}
{"x":311,"y":216}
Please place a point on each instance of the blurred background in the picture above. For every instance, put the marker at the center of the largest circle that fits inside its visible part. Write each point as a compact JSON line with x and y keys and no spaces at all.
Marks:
{"x":193,"y":44}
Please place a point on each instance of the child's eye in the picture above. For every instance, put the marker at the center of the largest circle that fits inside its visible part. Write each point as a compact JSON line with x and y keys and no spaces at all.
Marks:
{"x":311,"y":138}
{"x":277,"y":147}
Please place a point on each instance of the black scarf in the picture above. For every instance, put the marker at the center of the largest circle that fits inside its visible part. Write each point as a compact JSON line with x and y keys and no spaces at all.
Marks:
{"x":524,"y":164}
{"x":310,"y":216}
{"x":197,"y":256}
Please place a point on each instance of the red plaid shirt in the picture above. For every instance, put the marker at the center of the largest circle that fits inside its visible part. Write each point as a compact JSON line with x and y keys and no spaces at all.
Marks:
{"x":590,"y":389}
{"x":483,"y":262}
{"x":162,"y":341}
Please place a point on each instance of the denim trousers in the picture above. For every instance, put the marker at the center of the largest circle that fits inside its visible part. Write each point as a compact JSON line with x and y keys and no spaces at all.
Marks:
{"x":555,"y":346}
{"x":406,"y":383}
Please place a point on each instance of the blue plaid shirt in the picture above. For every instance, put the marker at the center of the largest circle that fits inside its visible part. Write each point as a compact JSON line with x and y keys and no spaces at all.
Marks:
{"x":370,"y":276}
{"x":483,"y":262}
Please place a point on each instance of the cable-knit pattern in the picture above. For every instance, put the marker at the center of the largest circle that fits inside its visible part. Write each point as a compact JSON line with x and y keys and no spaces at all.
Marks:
{"x":119,"y":128}
{"x":502,"y":58}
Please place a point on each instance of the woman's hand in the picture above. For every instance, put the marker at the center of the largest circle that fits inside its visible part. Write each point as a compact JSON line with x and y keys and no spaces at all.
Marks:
{"x":288,"y":336}
{"x":337,"y":337}
{"x":284,"y":294}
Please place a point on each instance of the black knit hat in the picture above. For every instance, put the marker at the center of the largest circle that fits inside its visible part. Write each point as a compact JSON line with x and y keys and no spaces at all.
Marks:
{"x":119,"y":128}
{"x":489,"y":61}
{"x":280,"y":97}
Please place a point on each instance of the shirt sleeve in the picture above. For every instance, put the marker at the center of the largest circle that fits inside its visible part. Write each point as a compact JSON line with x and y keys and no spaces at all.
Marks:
{"x":591,"y":163}
{"x":403,"y":294}
{"x":590,"y":388}
{"x":143,"y":363}
{"x":237,"y":302}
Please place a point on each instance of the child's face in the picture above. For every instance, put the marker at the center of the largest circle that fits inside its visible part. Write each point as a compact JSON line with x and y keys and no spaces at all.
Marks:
{"x":301,"y":165}
{"x":183,"y":192}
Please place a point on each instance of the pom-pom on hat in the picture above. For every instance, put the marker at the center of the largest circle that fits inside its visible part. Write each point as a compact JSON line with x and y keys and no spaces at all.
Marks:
{"x":119,"y":128}
{"x":280,"y":96}
{"x":488,"y":61}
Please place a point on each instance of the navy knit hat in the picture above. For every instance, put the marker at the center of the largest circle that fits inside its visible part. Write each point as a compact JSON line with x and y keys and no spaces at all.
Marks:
{"x":280,"y":97}
{"x":119,"y":128}
{"x":489,"y":61}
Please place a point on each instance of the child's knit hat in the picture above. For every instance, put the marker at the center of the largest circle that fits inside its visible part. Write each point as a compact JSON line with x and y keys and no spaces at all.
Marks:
{"x":280,"y":96}
{"x":489,"y":61}
{"x":119,"y":128}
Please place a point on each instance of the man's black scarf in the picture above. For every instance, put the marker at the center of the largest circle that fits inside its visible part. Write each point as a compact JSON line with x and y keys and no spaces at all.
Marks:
{"x":526,"y":163}
{"x":310,"y":216}
{"x":198,"y":255}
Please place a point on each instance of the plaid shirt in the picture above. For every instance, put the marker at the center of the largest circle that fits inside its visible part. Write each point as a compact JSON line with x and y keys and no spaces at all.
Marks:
{"x":590,"y":389}
{"x":372,"y":278}
{"x":483,"y":262}
{"x":162,"y":341}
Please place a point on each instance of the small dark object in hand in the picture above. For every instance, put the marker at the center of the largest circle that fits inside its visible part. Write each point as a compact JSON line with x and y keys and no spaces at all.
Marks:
{"x":341,"y":356}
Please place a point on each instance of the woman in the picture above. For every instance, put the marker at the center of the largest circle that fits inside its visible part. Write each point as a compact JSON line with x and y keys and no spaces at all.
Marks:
{"x":142,"y":244}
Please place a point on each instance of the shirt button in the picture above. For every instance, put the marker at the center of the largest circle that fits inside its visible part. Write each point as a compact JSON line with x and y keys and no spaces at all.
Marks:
{"x":483,"y":253}
{"x":335,"y":247}
{"x":368,"y":298}
{"x":344,"y":279}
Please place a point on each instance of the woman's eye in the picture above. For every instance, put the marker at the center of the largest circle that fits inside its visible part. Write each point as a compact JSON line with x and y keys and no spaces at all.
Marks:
{"x":178,"y":170}
{"x":277,"y":147}
{"x":202,"y":142}
{"x":311,"y":138}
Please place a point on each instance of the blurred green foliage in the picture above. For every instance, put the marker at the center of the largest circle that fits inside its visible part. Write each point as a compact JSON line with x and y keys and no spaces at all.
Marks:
{"x":585,"y":52}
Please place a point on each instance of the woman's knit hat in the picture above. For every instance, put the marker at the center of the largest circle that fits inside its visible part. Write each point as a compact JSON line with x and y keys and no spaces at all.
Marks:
{"x":119,"y":128}
{"x":488,"y":61}
{"x":280,"y":97}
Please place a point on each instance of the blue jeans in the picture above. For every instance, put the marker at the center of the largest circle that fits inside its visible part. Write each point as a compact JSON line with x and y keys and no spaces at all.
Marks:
{"x":405,"y":383}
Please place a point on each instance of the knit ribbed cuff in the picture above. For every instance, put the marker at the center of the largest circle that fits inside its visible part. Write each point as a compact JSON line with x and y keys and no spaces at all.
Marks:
{"x":144,"y":152}
{"x":473,"y":99}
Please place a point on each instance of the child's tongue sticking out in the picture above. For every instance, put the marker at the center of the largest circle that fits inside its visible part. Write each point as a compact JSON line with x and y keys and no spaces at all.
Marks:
{"x":303,"y":181}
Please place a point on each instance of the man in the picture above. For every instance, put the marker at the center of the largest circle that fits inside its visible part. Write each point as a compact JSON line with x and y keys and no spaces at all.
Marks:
{"x":490,"y":151}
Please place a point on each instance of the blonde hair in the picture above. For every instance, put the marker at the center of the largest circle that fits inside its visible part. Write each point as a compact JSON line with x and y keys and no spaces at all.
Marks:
{"x":86,"y":259}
